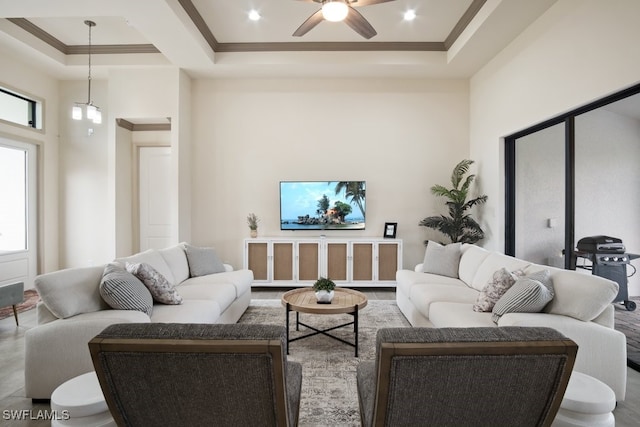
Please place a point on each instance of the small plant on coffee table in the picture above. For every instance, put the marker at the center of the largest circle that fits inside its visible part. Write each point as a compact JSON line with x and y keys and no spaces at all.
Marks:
{"x":324,"y":290}
{"x":324,"y":284}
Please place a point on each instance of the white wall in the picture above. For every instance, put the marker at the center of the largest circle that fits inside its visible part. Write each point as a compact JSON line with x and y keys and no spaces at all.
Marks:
{"x":401,"y":137}
{"x":579,"y":51}
{"x":28,"y":79}
{"x":138,"y":94}
{"x":84,"y":205}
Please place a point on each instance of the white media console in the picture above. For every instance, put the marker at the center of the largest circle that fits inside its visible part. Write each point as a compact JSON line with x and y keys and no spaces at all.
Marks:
{"x":353,"y":262}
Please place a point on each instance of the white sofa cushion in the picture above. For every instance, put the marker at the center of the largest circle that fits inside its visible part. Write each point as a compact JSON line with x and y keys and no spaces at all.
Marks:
{"x":241,"y":279}
{"x":458,"y":315}
{"x":424,"y":296}
{"x":154,"y":259}
{"x":176,"y":259}
{"x":442,"y":260}
{"x":407,"y":279}
{"x":493,"y":262}
{"x":223,"y":293}
{"x":581,"y":296}
{"x":472,"y":257}
{"x":190,"y":311}
{"x":72,"y":291}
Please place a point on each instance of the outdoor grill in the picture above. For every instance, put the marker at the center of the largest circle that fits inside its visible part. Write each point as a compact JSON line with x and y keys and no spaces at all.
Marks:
{"x":609,"y":259}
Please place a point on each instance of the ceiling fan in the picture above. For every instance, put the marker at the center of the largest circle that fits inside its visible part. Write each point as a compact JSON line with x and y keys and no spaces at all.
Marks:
{"x":339,"y":10}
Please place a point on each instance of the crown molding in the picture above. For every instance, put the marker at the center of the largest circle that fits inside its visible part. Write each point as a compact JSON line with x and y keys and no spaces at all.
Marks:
{"x":39,"y":33}
{"x":141,"y":127}
{"x":443,"y":46}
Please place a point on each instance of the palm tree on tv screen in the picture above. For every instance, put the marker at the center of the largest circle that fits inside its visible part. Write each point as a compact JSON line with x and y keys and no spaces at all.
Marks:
{"x":354,"y":192}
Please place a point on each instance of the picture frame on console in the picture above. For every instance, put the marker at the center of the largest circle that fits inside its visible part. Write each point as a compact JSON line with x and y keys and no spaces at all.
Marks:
{"x":390,"y":230}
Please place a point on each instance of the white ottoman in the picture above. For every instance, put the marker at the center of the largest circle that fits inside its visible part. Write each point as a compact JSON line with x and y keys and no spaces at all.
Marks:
{"x":82,"y":399}
{"x":588,"y":402}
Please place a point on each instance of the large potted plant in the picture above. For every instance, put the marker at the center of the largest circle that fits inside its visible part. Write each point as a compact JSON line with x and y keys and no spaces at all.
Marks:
{"x":324,"y":290}
{"x":459,"y":225}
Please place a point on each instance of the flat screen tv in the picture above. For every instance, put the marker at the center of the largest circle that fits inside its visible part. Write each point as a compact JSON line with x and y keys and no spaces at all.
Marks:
{"x":322,"y":205}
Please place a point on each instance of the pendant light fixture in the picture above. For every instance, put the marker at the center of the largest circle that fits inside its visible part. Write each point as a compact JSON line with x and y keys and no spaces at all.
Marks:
{"x":92,"y":111}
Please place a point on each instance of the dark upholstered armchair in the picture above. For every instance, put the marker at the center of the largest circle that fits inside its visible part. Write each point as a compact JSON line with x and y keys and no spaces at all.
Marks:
{"x":157,"y":374}
{"x":508,"y":376}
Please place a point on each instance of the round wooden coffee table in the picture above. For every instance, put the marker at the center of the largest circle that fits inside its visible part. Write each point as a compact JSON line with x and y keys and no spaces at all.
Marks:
{"x":303,"y":300}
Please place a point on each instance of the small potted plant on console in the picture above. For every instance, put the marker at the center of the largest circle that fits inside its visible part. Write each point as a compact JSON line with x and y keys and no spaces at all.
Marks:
{"x":252,"y":222}
{"x":324,"y":290}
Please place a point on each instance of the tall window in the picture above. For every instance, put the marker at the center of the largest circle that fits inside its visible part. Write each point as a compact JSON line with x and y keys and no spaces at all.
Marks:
{"x":20,"y":109}
{"x":13,"y":199}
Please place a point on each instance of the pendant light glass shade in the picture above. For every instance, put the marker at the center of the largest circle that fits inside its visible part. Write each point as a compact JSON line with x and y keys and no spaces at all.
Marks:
{"x":93,"y":112}
{"x":76,"y":113}
{"x":335,"y":11}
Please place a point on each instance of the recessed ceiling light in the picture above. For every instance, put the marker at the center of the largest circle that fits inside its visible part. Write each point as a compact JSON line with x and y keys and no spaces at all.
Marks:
{"x":254,"y":15}
{"x":410,"y":15}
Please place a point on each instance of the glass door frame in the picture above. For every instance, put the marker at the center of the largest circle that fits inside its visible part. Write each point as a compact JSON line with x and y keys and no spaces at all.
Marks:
{"x":510,"y":170}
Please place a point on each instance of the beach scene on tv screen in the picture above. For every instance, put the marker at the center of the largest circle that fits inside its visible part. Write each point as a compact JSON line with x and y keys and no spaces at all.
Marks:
{"x":328,"y":205}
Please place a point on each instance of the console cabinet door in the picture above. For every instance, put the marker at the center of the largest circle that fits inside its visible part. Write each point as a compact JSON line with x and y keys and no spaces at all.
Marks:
{"x":257,"y":259}
{"x":337,"y":261}
{"x":389,"y":255}
{"x":283,"y":256}
{"x":362,"y":262}
{"x":308,"y":261}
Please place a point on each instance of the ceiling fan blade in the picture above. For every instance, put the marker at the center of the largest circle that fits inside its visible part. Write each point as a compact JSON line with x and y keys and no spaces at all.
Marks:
{"x":309,"y":24}
{"x":358,"y":3}
{"x":358,"y":22}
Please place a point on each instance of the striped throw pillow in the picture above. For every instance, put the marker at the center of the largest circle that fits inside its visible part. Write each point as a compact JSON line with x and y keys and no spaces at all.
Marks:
{"x":528,"y":294}
{"x":122,"y":290}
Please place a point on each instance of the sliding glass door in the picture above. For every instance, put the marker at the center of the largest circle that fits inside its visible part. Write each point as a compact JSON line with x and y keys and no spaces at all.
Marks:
{"x":574,"y":176}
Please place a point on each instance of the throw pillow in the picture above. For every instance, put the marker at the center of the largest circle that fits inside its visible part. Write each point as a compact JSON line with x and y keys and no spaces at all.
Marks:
{"x":442,"y":260}
{"x":161,"y":290}
{"x":124,"y":291}
{"x":203,"y":261}
{"x":499,"y":283}
{"x":527,"y":295}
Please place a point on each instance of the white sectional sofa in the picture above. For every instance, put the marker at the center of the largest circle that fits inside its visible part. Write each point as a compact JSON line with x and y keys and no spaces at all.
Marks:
{"x":72,"y":311}
{"x":581,"y":308}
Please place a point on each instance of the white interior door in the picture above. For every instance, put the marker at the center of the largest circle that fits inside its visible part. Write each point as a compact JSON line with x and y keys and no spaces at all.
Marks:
{"x":155,"y":197}
{"x":18,"y":212}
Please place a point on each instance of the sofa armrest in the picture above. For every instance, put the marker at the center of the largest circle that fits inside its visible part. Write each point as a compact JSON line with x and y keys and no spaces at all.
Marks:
{"x":602,"y":351}
{"x":58,"y":351}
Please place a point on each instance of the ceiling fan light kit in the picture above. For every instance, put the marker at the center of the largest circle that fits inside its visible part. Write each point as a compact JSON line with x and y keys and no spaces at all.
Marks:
{"x":335,"y":10}
{"x":340,"y":10}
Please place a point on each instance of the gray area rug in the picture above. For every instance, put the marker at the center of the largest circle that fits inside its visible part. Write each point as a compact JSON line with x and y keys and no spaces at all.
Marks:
{"x":329,"y":393}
